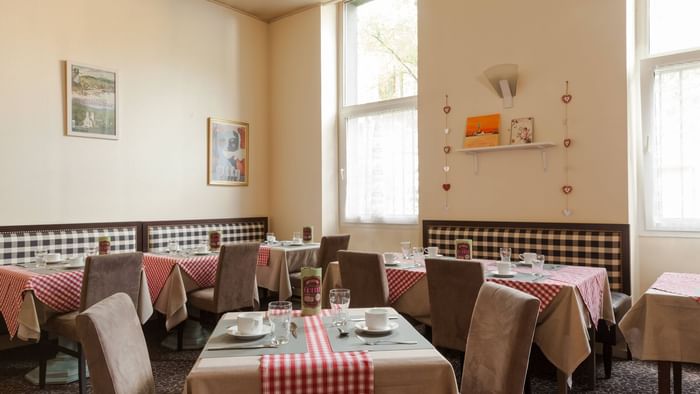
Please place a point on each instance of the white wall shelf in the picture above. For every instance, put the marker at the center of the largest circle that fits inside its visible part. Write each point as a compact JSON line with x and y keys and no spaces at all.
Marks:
{"x":541,"y":146}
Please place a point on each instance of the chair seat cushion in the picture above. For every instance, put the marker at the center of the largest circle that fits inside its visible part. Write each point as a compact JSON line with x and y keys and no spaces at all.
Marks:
{"x":203,"y":299}
{"x":63,"y":325}
{"x":621,"y":303}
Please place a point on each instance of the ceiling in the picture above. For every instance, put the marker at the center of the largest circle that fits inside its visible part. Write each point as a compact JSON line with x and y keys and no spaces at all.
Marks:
{"x":268,"y":10}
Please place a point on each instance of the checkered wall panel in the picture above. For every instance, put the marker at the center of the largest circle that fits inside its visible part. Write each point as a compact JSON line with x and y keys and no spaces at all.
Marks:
{"x":189,"y":235}
{"x":19,"y":247}
{"x":573,"y":247}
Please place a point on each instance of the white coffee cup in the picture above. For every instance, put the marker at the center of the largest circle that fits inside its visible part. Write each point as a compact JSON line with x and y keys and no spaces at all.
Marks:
{"x":377,"y":319}
{"x":503,"y":267}
{"x":528,"y":258}
{"x":389,"y":258}
{"x":249,"y":323}
{"x":432,"y":251}
{"x":52,"y":257}
{"x":202,"y":249}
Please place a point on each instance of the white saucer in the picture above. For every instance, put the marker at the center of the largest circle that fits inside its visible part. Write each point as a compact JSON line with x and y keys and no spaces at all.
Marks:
{"x":296,"y":244}
{"x":362,"y":326}
{"x":392,"y":264}
{"x":523,"y":264}
{"x":201,"y":253}
{"x":233,"y":331}
{"x":432,"y":257}
{"x":508,"y":275}
{"x":72,"y":266}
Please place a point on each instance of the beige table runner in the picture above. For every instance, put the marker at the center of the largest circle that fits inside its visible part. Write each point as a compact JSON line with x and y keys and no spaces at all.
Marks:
{"x":283,"y":260}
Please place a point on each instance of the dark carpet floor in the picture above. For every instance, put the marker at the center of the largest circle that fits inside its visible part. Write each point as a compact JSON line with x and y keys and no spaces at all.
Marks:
{"x":170,"y":369}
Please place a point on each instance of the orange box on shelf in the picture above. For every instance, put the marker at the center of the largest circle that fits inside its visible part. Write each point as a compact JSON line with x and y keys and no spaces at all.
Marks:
{"x":482,"y":131}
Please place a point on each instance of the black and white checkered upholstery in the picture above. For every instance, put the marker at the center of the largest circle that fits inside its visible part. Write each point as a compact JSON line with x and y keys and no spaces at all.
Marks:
{"x":593,"y":248}
{"x":187,"y":235}
{"x":19,"y":246}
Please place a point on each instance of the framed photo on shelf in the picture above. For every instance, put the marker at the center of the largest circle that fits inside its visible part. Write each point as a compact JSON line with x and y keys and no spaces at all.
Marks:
{"x":91,"y":101}
{"x":463,"y":249}
{"x":522,"y":131}
{"x":228,"y":144}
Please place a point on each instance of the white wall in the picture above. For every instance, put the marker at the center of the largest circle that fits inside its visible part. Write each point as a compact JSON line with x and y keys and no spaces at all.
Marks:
{"x":179,"y":62}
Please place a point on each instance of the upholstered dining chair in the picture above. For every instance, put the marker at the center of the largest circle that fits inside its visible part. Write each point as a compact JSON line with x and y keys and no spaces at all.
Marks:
{"x":115,"y":348}
{"x":453,"y":286}
{"x":327,"y":252}
{"x":499,"y":340}
{"x":363,"y":273}
{"x":103,"y":276}
{"x":234,"y":286}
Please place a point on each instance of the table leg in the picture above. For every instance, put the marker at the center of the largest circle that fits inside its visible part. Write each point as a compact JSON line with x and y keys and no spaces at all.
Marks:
{"x":664,"y":368}
{"x":59,"y":370}
{"x":562,"y":383}
{"x":677,"y":378}
{"x":194,"y":336}
{"x":591,"y":359}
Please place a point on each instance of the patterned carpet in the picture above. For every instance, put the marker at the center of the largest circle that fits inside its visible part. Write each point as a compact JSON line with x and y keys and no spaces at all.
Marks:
{"x":170,"y":369}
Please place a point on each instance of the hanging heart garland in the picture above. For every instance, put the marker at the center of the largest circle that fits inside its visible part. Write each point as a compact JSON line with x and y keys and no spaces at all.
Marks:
{"x":446,"y":186}
{"x":446,"y":109}
{"x":567,"y":142}
{"x":566,"y":98}
{"x":567,"y":189}
{"x":447,"y":149}
{"x":446,"y":168}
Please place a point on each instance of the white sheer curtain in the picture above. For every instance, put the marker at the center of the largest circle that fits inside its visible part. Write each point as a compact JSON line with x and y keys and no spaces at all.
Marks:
{"x":674,"y":162}
{"x":381,"y":167}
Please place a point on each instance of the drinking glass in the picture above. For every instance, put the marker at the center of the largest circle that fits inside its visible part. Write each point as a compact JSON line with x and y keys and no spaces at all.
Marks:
{"x":538,"y":265}
{"x":280,"y":314}
{"x":91,"y":250}
{"x":418,"y":257}
{"x":505,"y":254}
{"x":173,"y":247}
{"x":406,"y":249}
{"x":340,"y":301}
{"x":40,"y":256}
{"x":296,"y":237}
{"x":270,"y":238}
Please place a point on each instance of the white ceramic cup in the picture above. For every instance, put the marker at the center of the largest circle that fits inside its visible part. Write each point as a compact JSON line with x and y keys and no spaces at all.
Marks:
{"x":503,"y":267}
{"x":431,"y":251}
{"x":249,"y":323}
{"x":202,"y":248}
{"x":377,"y":319}
{"x":52,"y":257}
{"x":528,"y":258}
{"x":389,"y":258}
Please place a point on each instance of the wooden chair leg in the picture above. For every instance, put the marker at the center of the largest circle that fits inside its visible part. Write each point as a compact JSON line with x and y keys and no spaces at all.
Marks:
{"x":82,"y":381}
{"x":43,"y":348}
{"x":607,"y":359}
{"x":677,"y":378}
{"x":180,"y":335}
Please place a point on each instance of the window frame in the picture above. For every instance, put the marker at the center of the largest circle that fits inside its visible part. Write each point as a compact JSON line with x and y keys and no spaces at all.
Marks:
{"x":347,"y":111}
{"x":647,"y":64}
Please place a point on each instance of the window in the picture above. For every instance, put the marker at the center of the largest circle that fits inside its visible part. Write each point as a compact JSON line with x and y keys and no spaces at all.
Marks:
{"x":378,"y":114}
{"x":670,"y":91}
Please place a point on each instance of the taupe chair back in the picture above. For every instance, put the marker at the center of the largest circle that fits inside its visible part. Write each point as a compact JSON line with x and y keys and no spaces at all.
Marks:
{"x":499,"y":341}
{"x":114,"y":346}
{"x":235,"y":277}
{"x":453,"y":286}
{"x":328,"y":251}
{"x":110,"y":274}
{"x":364,"y":274}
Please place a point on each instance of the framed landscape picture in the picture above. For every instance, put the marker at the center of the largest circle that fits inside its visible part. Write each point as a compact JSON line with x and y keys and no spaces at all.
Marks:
{"x":227,"y":158}
{"x":91,"y":101}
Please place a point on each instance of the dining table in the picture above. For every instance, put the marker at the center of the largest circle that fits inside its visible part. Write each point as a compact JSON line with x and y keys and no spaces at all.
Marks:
{"x":664,"y":326}
{"x":30,"y":295}
{"x":572,"y":300}
{"x":319,"y":358}
{"x":277,"y":260}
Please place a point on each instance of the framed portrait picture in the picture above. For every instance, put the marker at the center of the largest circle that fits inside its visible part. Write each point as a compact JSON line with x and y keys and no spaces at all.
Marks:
{"x":91,"y":101}
{"x":228,"y":146}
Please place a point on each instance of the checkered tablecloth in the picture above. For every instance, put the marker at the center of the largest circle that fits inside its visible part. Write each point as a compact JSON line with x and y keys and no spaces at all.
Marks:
{"x":545,"y":292}
{"x":400,"y":280}
{"x":319,"y":370}
{"x":59,"y":291}
{"x":679,"y":283}
{"x":264,"y":255}
{"x":202,"y":269}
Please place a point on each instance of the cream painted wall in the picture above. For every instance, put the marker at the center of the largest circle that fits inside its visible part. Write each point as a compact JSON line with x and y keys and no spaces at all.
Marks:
{"x":295,"y":123}
{"x":179,"y":62}
{"x":552,"y":41}
{"x":666,"y":254}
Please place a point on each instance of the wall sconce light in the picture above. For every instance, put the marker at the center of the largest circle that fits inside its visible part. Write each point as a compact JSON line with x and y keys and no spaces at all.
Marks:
{"x":504,"y":78}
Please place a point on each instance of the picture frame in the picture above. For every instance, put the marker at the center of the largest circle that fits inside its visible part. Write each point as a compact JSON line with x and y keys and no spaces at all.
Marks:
{"x":463,"y":249}
{"x":228,"y":147}
{"x":482,"y":131}
{"x":92,"y":108}
{"x":522,"y":131}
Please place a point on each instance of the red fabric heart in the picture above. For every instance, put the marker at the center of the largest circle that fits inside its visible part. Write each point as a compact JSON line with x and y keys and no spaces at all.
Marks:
{"x":567,"y":189}
{"x":446,"y":186}
{"x":446,"y":109}
{"x":447,"y":149}
{"x":566,"y":98}
{"x":567,"y":142}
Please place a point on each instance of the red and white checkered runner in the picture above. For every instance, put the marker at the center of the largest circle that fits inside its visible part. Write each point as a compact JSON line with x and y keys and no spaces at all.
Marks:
{"x":400,"y":280}
{"x":545,"y":292}
{"x":264,"y":255}
{"x":59,"y":291}
{"x":202,"y":269}
{"x":679,"y":283}
{"x":320,"y":370}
